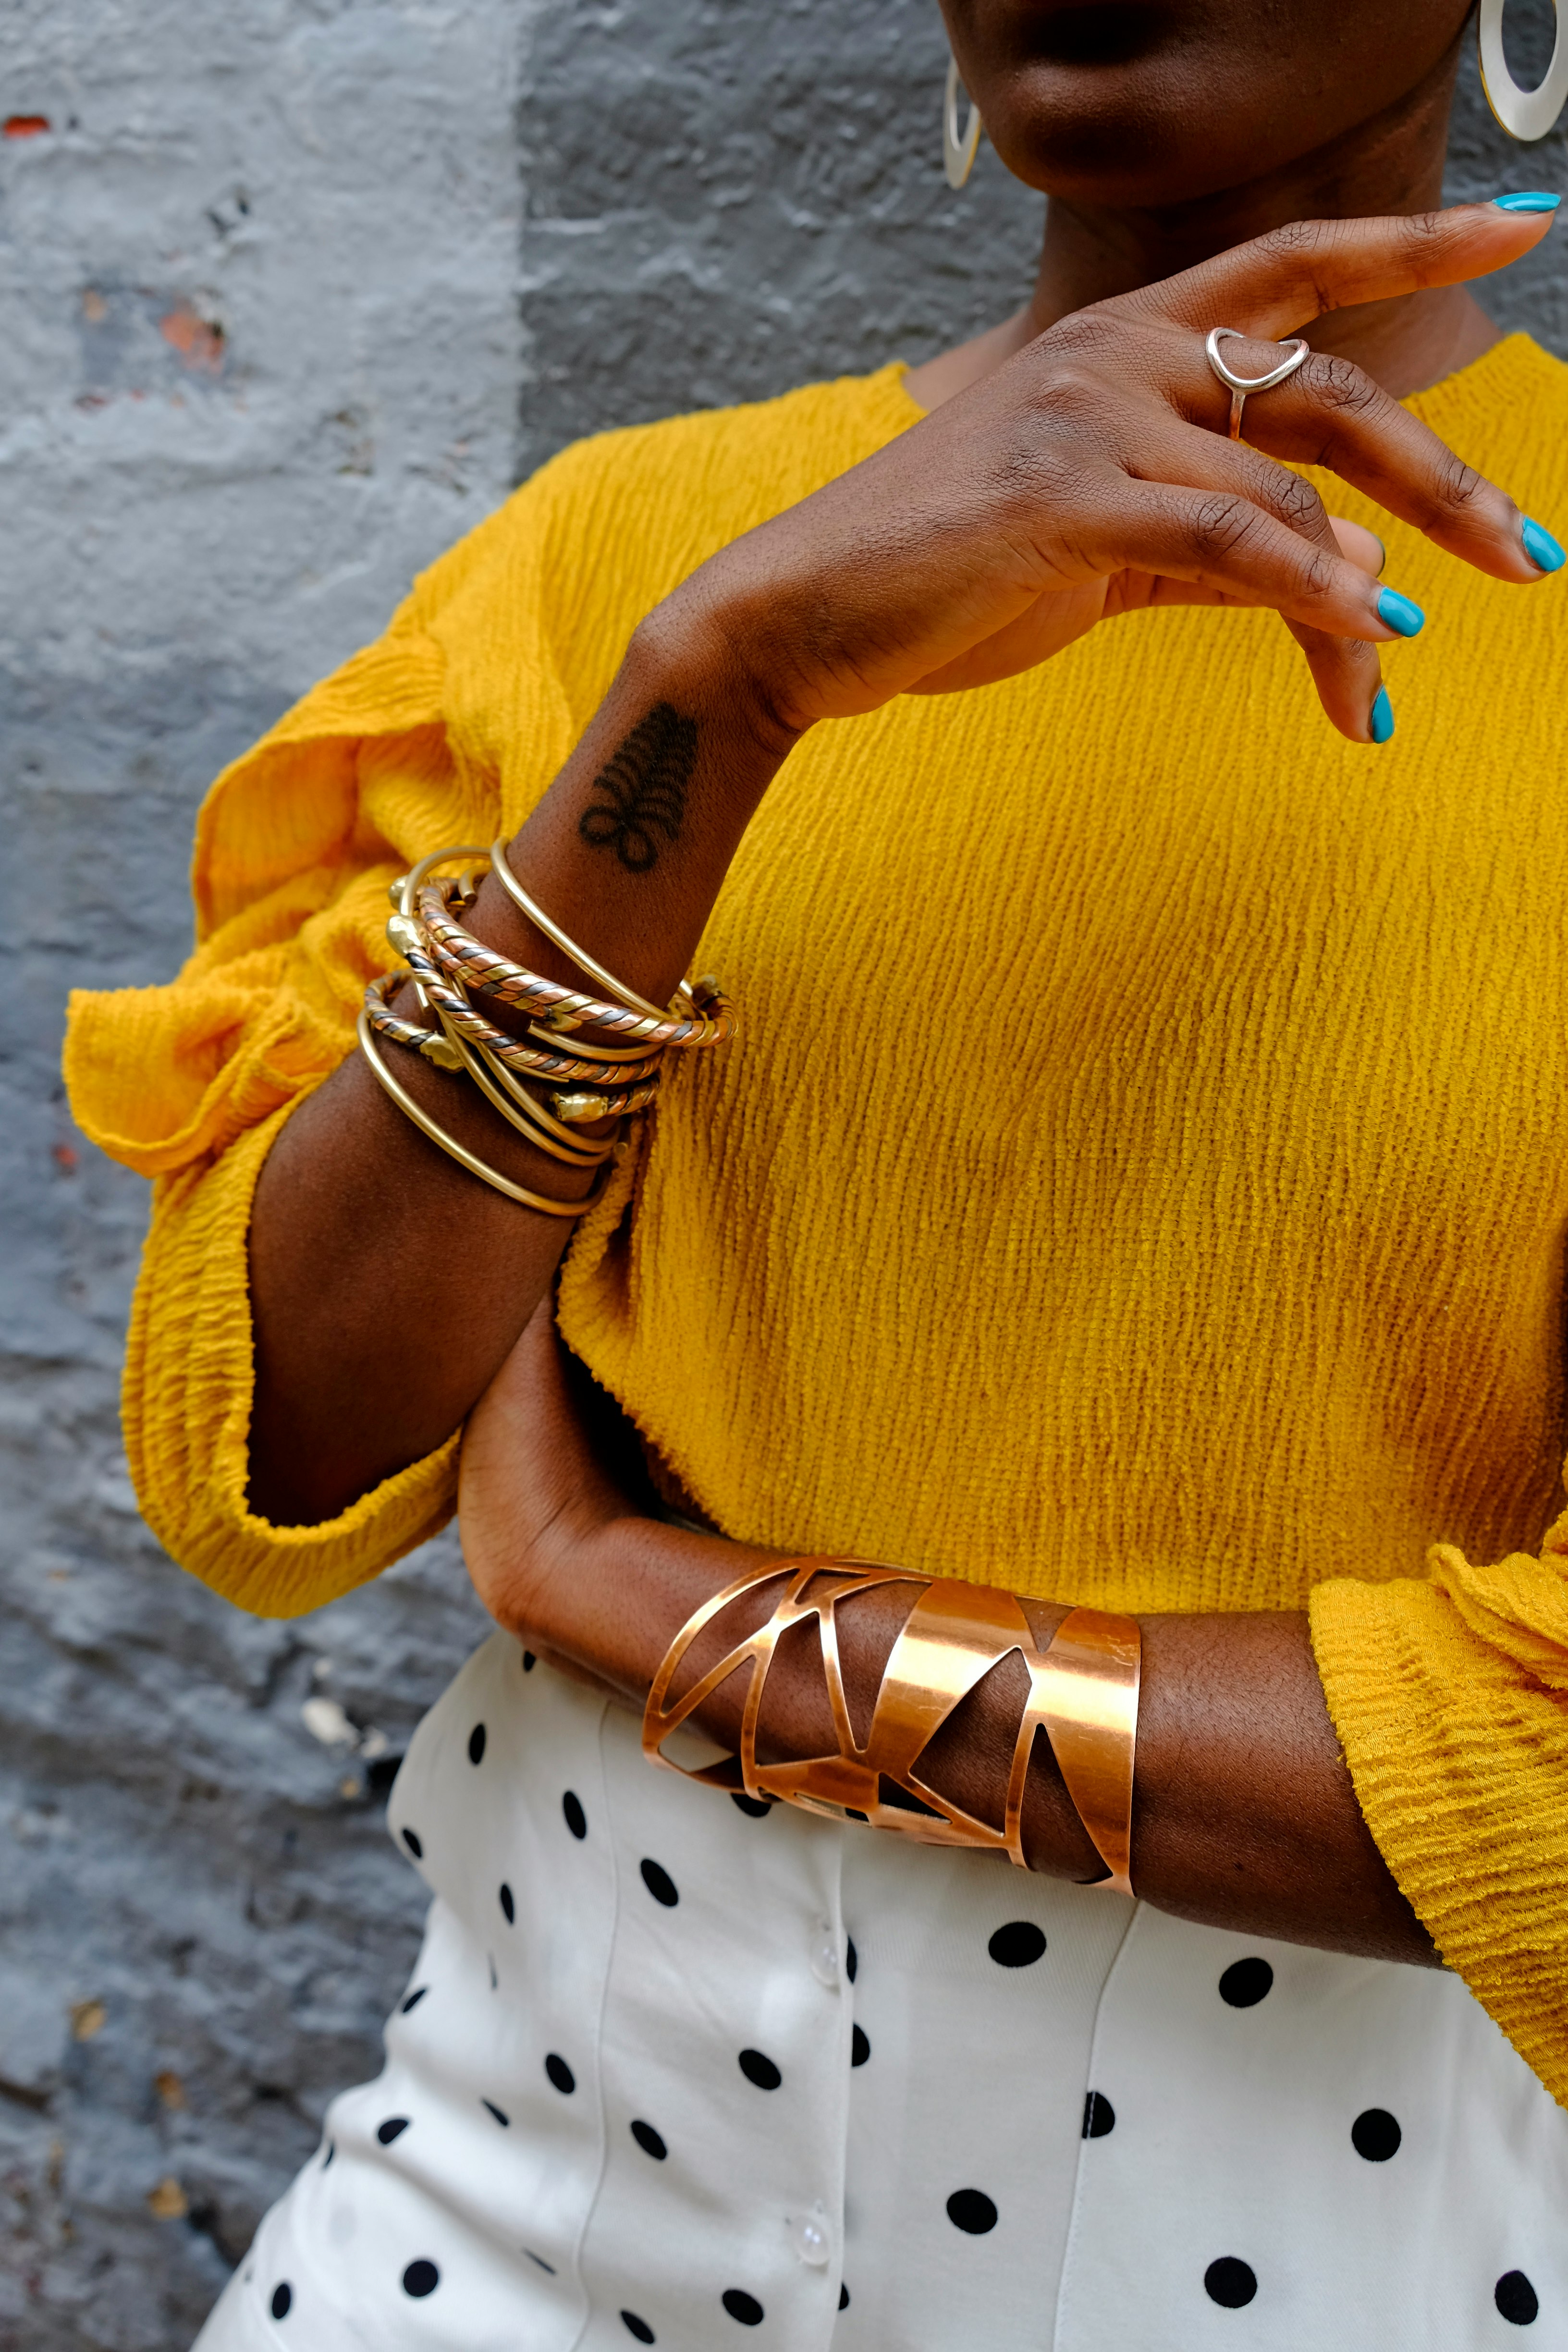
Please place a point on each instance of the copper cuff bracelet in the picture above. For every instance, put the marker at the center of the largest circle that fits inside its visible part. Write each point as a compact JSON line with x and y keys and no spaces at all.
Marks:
{"x":1083,"y":1691}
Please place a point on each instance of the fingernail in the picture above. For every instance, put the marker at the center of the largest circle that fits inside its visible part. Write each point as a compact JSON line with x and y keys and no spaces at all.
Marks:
{"x":1382,"y":558}
{"x":1528,"y":200}
{"x":1380,"y":720}
{"x":1397,"y":612}
{"x":1541,"y":547}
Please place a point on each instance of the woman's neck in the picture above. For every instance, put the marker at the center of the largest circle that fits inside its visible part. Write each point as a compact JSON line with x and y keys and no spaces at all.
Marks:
{"x":1392,"y":165}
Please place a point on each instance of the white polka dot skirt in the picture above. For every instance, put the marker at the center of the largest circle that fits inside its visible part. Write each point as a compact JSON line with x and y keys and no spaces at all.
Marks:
{"x":675,"y":2068}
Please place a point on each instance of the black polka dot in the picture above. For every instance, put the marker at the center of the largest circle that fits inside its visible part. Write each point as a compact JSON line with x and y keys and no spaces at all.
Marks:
{"x":283,"y":2296}
{"x":477,"y":1744}
{"x":1098,"y":2116}
{"x":421,"y":2278}
{"x":1228,"y":2281}
{"x":859,"y":2046}
{"x":1244,"y":1985}
{"x":650,"y":2142}
{"x":851,"y":1962}
{"x":1516,"y":2299}
{"x":1018,"y":1945}
{"x":494,"y":1978}
{"x":528,"y":1661}
{"x":760,"y":2070}
{"x":970,"y":2210}
{"x":414,"y":1844}
{"x":331,"y":2151}
{"x":843,"y":2296}
{"x":415,"y":1997}
{"x":576,"y":1819}
{"x":500,"y":2113}
{"x":757,"y":1807}
{"x":742,"y":2306}
{"x":548,"y":2268}
{"x":507,"y":1905}
{"x":393,"y":2128}
{"x":560,"y":2073}
{"x":638,"y":2328}
{"x":1375,"y":2134}
{"x":660,"y":1884}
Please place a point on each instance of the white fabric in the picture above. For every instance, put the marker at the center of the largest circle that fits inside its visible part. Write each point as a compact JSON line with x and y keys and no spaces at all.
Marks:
{"x":1228,"y":2132}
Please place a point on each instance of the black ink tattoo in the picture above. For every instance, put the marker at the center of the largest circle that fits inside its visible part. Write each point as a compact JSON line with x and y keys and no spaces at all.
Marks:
{"x":642,"y":790}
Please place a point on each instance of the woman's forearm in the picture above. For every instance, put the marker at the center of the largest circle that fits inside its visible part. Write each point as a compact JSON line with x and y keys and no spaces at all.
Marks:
{"x":1244,"y":1815}
{"x":387,"y":1283}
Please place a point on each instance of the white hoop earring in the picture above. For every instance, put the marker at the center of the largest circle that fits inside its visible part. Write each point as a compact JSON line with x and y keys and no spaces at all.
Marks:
{"x":1523,"y":113}
{"x":958,"y":154}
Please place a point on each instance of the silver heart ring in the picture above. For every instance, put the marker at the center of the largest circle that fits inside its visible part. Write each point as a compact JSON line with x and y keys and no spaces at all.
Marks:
{"x":1240,"y":386}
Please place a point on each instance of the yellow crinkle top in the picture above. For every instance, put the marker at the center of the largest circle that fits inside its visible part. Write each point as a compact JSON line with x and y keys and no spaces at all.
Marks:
{"x":1144,"y":1174}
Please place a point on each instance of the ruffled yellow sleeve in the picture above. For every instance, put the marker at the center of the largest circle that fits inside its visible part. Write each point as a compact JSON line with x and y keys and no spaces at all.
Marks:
{"x":1451,"y":1698}
{"x":455,"y":719}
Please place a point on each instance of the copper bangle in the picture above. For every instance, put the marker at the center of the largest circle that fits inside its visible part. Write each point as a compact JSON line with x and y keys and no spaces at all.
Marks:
{"x":1083,"y":1692}
{"x":458,"y":1151}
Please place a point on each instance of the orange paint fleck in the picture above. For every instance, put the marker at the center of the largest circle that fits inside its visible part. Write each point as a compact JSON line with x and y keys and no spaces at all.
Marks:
{"x":198,"y":341}
{"x":64,"y":1157}
{"x":24,"y":126}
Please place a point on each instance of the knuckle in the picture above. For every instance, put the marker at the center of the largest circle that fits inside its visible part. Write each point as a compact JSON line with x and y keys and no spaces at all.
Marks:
{"x":1338,"y":385}
{"x":1294,"y":240}
{"x":1086,"y":335}
{"x":1220,"y":524}
{"x":1072,"y":392}
{"x":1297,"y":504}
{"x":1457,"y":489}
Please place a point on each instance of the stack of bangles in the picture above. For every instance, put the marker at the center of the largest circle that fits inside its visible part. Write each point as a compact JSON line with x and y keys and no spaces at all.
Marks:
{"x":543,"y":1088}
{"x":1083,"y":1694}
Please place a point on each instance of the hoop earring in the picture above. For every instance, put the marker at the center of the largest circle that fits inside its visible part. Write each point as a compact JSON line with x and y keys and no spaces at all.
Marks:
{"x":1523,"y":113}
{"x":958,"y":154}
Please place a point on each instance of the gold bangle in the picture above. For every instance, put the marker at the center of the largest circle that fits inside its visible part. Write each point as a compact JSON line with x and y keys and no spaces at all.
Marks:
{"x":569,"y":947}
{"x":1083,"y":1693}
{"x":458,"y":1151}
{"x":526,"y":1117}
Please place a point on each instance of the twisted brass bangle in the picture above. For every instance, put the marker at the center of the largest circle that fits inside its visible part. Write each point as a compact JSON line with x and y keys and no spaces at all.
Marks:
{"x":459,"y":1151}
{"x":457,"y":1017}
{"x":512,"y":983}
{"x":502,"y":868}
{"x":449,"y":1000}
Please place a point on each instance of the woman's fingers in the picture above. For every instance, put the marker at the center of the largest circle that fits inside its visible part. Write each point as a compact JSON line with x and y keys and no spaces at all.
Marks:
{"x":1220,"y":539}
{"x":1345,"y":669}
{"x":1332,"y":413}
{"x":1284,"y":281}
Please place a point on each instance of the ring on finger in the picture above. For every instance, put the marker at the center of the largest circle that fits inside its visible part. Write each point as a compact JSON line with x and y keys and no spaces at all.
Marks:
{"x":1239,"y":386}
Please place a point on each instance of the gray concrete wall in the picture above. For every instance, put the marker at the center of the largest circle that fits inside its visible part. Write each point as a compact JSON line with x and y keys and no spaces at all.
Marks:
{"x":290,"y":291}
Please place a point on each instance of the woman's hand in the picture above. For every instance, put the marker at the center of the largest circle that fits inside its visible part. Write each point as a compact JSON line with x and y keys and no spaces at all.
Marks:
{"x":1091,"y":474}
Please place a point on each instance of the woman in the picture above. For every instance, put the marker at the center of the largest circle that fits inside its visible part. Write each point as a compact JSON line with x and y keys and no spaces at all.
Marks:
{"x":1137,"y":1188}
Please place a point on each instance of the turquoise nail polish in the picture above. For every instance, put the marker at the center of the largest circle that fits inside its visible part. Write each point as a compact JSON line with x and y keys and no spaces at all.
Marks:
{"x":1541,"y":547}
{"x":1528,"y":200}
{"x":1397,"y":612}
{"x":1381,"y":718}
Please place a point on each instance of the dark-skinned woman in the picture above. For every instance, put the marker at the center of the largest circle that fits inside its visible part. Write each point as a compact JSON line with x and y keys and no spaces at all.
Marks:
{"x":1131,"y":1208}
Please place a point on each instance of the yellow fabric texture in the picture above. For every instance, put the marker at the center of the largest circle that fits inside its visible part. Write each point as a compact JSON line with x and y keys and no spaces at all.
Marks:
{"x":1142,"y":1176}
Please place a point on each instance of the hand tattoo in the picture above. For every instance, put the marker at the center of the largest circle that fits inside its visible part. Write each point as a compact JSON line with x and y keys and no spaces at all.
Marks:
{"x":642,"y":790}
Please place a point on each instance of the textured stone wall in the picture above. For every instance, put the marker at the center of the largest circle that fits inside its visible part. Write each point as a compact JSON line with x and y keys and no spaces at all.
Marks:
{"x":292,"y":291}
